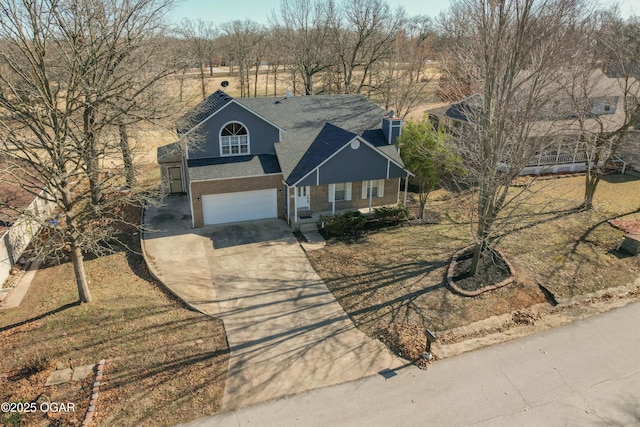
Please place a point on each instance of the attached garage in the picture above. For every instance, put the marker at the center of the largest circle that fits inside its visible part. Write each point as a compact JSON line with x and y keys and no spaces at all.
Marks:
{"x":240,"y":206}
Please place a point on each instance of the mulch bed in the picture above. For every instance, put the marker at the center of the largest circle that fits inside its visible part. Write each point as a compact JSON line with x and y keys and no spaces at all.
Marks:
{"x":494,"y":271}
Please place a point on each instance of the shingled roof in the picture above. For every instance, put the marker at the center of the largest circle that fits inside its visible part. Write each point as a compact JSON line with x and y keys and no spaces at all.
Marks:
{"x":329,"y":140}
{"x":202,"y":111}
{"x":314,"y":126}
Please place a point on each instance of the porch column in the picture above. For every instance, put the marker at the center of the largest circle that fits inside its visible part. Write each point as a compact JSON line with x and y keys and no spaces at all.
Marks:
{"x":332,"y":193}
{"x":295,"y":204}
{"x":288,"y":189}
{"x":406,"y":188}
{"x":370,"y":194}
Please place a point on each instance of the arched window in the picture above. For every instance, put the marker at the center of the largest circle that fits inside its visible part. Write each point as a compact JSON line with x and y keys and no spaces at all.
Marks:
{"x":234,"y":140}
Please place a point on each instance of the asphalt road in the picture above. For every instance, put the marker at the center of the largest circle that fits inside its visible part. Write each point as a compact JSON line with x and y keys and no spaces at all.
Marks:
{"x":585,"y":373}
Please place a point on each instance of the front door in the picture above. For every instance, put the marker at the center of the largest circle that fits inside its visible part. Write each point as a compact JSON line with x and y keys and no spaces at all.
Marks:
{"x":175,"y":180}
{"x":302,"y":197}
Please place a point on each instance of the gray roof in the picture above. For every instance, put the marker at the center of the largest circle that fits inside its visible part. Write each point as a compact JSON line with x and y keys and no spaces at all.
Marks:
{"x":169,"y":153}
{"x":304,"y":118}
{"x":202,"y":111}
{"x":330,"y":139}
{"x":310,"y":124}
{"x":232,"y":167}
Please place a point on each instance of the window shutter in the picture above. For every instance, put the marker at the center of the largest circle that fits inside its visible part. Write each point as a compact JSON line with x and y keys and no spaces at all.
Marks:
{"x":332,"y":192}
{"x":347,"y":191}
{"x":365,"y":184}
{"x":381,"y":188}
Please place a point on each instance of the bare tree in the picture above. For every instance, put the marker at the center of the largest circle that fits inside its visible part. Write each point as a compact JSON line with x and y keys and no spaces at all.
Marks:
{"x":306,"y":35}
{"x":363,"y":34}
{"x":400,"y":81}
{"x":604,"y":91}
{"x":62,"y":100}
{"x":275,"y":58}
{"x":244,"y":44}
{"x":201,"y":37}
{"x":512,"y":51}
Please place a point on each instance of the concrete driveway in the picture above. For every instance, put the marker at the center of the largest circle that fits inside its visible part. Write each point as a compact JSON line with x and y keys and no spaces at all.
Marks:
{"x":286,"y":331}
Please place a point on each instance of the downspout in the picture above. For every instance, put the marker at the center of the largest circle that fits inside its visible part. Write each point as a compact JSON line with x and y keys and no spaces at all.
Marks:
{"x":193,"y":223}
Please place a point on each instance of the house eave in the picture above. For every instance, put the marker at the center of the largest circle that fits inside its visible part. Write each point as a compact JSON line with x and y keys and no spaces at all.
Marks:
{"x":361,"y":140}
{"x":233,"y":101}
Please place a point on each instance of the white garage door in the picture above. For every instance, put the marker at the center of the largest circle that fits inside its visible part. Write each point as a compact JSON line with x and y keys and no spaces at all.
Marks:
{"x":243,"y":206}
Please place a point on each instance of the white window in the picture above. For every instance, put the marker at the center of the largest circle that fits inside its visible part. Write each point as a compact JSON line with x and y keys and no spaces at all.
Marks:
{"x":340,"y":192}
{"x":375,"y":190}
{"x":234,"y":140}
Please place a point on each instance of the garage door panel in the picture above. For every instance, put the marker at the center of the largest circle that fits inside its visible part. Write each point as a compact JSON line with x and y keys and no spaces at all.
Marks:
{"x":242,"y":206}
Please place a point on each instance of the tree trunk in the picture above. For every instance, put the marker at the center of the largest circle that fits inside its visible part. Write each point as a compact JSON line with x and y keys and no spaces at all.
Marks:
{"x":486,"y":216}
{"x":255,"y":81}
{"x":204,"y":89}
{"x":81,"y":277}
{"x":475,"y":261}
{"x":275,"y":80}
{"x":591,"y":184}
{"x":91,"y":156}
{"x":181,"y":90}
{"x":424,"y":194}
{"x":210,"y":68}
{"x":127,"y":156}
{"x":307,"y":79}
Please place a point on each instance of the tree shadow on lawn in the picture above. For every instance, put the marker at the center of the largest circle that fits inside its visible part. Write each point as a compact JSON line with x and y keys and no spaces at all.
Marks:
{"x":583,"y":260}
{"x":40,"y":316}
{"x":386,"y":285}
{"x":541,"y":218}
{"x":381,"y":277}
{"x":180,"y":384}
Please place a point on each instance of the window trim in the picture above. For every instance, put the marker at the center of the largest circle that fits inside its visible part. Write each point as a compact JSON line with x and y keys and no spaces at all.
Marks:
{"x":378,"y":183}
{"x":347,"y":192}
{"x":231,"y":154}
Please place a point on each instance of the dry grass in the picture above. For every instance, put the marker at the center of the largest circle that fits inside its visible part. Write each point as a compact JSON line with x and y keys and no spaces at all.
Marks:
{"x":573,"y":253}
{"x":396,"y":276}
{"x":162,"y":378}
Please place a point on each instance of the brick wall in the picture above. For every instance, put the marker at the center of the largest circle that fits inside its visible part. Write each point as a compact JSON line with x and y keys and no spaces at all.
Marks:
{"x":320,"y":197}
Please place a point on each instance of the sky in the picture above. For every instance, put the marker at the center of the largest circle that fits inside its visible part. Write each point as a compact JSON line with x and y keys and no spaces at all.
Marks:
{"x":218,"y":11}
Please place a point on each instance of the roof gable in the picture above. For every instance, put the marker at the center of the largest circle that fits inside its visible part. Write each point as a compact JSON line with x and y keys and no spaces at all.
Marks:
{"x":330,"y":139}
{"x":202,"y":111}
{"x":209,"y":107}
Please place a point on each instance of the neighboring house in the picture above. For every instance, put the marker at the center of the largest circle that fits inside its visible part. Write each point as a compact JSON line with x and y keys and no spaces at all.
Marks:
{"x":605,"y":111}
{"x":17,"y":230}
{"x":288,"y":157}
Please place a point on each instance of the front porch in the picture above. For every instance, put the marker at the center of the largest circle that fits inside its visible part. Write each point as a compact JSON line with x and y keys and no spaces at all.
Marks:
{"x":308,"y":204}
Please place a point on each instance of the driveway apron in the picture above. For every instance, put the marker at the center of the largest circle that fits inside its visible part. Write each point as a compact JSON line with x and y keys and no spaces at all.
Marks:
{"x":286,"y":331}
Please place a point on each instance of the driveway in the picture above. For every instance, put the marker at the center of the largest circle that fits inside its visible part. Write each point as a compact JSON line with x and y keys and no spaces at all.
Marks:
{"x":287,"y":333}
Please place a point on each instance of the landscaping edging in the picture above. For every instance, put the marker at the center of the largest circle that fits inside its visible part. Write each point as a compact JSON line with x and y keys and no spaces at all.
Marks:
{"x":452,"y":265}
{"x":95,"y":392}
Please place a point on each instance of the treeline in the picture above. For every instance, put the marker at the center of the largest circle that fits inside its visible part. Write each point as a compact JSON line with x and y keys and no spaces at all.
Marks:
{"x":319,"y":47}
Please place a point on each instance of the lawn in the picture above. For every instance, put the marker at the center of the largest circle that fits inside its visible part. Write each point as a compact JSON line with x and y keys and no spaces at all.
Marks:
{"x":392,"y":282}
{"x":170,"y":363}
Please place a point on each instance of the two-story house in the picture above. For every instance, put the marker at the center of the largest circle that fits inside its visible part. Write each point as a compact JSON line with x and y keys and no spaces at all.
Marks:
{"x":283,"y":157}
